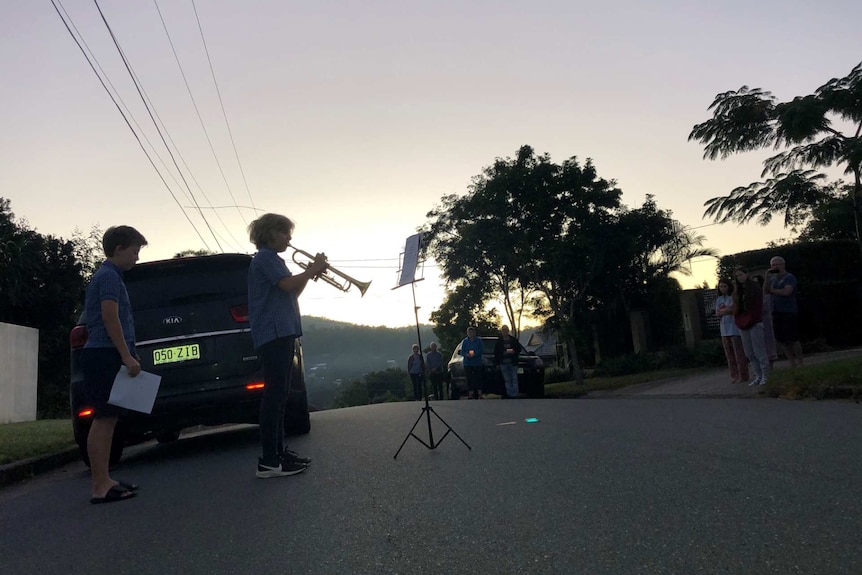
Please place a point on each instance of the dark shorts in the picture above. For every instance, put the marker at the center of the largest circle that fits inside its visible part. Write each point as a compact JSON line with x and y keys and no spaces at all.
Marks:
{"x":785,"y":326}
{"x":99,"y":366}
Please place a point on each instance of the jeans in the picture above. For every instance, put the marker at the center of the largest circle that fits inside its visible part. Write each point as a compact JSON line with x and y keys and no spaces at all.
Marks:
{"x":755,"y":349}
{"x":510,"y":378}
{"x":277,"y":359}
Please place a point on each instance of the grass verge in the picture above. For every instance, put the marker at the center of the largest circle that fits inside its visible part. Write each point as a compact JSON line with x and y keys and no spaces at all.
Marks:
{"x":833,"y":380}
{"x":19,"y":441}
{"x":566,"y":389}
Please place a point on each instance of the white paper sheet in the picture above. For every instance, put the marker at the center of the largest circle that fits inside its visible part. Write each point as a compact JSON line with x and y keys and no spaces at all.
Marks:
{"x":136,"y":393}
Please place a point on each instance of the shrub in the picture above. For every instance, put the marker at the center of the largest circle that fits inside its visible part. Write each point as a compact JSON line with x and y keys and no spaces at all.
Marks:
{"x":556,"y":375}
{"x":708,"y":353}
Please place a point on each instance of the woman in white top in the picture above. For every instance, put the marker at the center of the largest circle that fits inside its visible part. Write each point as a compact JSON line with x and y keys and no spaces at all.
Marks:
{"x":730,"y":336}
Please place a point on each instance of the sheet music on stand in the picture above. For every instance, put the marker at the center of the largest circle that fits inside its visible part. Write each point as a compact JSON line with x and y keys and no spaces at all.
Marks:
{"x":409,"y":263}
{"x":410,"y":260}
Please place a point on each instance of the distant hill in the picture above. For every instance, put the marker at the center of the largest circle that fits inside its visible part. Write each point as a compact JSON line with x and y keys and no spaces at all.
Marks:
{"x":349,"y":350}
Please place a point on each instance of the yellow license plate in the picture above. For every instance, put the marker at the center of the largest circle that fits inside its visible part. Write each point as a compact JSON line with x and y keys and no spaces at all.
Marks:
{"x":175,"y":354}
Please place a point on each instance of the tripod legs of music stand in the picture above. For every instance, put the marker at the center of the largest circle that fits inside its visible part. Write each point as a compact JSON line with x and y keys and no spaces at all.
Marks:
{"x":427,"y":411}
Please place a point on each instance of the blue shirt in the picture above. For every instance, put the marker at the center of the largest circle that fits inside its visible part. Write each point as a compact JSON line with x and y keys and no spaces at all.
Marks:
{"x":476,"y":346}
{"x":107,"y":285}
{"x":784,"y":303}
{"x":272,"y":312}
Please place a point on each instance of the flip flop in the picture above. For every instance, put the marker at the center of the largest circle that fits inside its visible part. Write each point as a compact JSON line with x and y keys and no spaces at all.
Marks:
{"x":115,"y":493}
{"x":128,"y":486}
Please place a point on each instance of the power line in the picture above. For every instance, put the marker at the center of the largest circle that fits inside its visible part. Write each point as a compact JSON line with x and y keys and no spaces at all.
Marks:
{"x":150,"y":112}
{"x":200,"y":119}
{"x":221,"y":103}
{"x":55,"y":3}
{"x":103,"y":75}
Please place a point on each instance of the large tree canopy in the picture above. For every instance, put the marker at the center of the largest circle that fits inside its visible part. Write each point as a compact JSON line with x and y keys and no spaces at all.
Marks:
{"x":553,"y":234}
{"x":808,"y":131}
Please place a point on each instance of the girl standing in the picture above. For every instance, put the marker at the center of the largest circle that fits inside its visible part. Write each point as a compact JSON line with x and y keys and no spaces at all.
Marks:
{"x":731,"y":339}
{"x":748,"y":315}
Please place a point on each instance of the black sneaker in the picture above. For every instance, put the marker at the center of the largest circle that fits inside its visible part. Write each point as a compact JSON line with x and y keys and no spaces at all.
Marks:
{"x":280,"y":470}
{"x":293,"y":457}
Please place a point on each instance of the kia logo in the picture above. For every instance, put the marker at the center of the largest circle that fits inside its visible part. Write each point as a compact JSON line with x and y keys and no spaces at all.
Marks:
{"x":172,"y":320}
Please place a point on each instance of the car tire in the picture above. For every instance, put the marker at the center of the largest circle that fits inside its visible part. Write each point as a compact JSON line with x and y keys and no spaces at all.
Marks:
{"x":81,"y":432}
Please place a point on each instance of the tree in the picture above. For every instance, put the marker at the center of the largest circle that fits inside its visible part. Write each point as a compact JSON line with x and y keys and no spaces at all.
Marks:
{"x":192,"y":253}
{"x":393,"y":381}
{"x":528,"y":225}
{"x":644,"y":246}
{"x":41,"y":286}
{"x":461,"y":308}
{"x":554,"y":238}
{"x":750,"y":119}
{"x":88,"y":250}
{"x":354,"y":394}
{"x":831,"y":219}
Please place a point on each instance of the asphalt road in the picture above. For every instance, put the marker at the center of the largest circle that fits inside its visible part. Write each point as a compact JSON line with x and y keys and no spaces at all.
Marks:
{"x":641,"y":486}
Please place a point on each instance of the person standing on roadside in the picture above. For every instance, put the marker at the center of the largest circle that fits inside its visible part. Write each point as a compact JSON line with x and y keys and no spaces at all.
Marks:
{"x":110,"y":346}
{"x":731,"y":340}
{"x":506,"y":352}
{"x":781,"y":285}
{"x":768,"y":331}
{"x":273,"y":314}
{"x":434,"y":362}
{"x":471,"y":350}
{"x":748,"y":316}
{"x":416,"y":369}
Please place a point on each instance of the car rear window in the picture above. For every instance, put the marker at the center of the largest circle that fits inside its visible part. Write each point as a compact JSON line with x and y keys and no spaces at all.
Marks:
{"x":187,"y":280}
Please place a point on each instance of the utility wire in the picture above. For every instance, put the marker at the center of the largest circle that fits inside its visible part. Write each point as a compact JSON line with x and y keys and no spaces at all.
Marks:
{"x":200,"y":119}
{"x":221,"y":103}
{"x":55,"y":3}
{"x":128,"y":113}
{"x":150,"y":112}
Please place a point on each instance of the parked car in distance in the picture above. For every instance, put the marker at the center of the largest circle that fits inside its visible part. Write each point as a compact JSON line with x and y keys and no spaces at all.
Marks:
{"x":531,"y":372}
{"x":191,"y":325}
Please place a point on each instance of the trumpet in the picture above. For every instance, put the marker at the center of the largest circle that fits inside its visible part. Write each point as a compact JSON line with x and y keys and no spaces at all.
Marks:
{"x":344,"y":284}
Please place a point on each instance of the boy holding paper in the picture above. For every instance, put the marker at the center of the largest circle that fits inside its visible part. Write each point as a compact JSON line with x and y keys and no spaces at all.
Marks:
{"x":110,"y":345}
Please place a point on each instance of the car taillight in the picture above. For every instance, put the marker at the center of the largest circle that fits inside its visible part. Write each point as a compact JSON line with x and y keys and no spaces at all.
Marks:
{"x":254,"y":386}
{"x":78,"y":336}
{"x":239,"y":313}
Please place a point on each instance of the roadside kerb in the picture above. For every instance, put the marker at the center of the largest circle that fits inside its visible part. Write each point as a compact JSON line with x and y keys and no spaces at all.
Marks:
{"x":21,"y":470}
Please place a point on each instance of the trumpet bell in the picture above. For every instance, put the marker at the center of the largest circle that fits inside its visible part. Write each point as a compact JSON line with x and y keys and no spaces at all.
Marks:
{"x":329,"y":276}
{"x":362,"y":287}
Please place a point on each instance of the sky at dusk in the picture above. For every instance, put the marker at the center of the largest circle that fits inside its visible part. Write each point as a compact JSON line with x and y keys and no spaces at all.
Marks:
{"x":355,"y":118}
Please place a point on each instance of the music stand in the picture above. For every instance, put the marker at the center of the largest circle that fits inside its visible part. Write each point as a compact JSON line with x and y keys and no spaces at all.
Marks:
{"x":409,"y":263}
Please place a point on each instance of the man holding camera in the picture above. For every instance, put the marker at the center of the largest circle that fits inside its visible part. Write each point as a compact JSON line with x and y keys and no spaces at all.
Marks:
{"x":781,"y":285}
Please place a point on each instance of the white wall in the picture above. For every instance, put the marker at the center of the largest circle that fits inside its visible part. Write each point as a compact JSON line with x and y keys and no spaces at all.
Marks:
{"x":19,"y":368}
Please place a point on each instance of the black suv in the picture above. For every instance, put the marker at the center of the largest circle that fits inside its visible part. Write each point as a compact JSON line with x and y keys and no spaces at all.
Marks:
{"x":191,"y":325}
{"x":531,"y":372}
